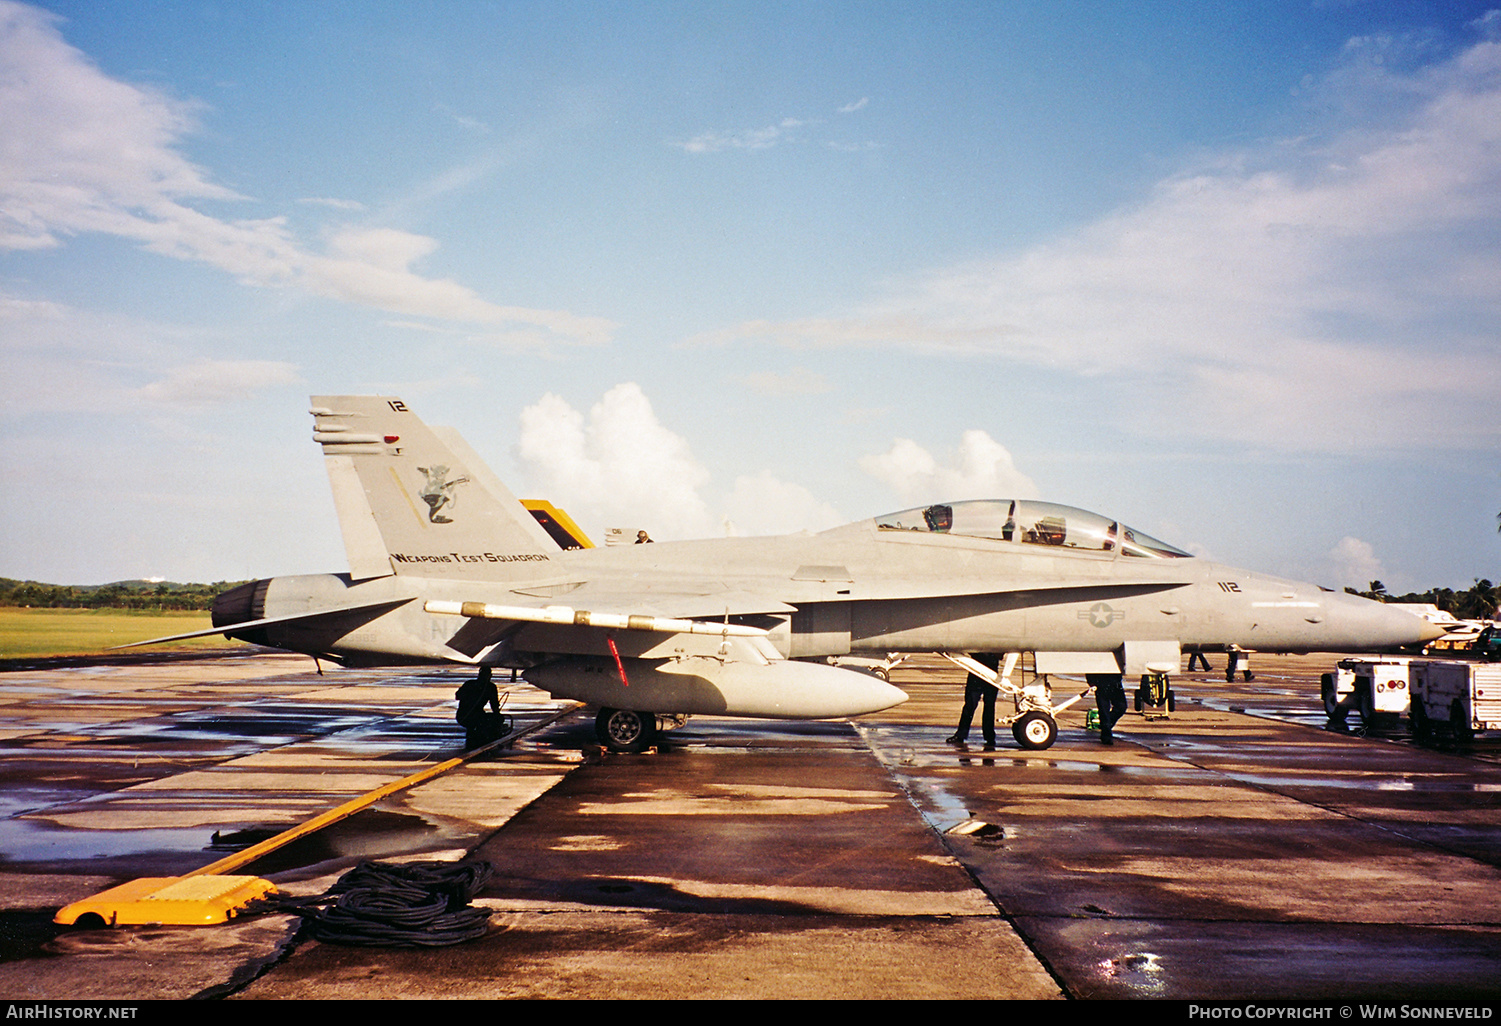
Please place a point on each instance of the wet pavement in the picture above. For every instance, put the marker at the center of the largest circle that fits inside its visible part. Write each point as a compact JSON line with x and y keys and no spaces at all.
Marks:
{"x":1236,"y":849}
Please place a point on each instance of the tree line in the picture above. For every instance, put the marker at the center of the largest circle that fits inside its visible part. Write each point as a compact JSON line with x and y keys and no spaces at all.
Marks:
{"x":153,"y":596}
{"x":1478,"y":602}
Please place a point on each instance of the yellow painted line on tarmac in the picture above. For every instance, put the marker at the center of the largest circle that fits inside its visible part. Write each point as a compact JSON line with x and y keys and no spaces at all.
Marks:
{"x":349,"y":808}
{"x":177,"y":901}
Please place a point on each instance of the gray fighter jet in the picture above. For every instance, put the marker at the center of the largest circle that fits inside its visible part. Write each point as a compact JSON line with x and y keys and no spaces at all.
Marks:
{"x":447,"y":566}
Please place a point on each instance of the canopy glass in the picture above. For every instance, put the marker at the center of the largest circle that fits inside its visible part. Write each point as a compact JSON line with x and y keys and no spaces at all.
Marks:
{"x":1028,"y":522}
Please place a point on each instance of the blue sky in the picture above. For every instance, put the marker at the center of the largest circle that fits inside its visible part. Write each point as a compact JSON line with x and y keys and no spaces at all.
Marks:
{"x":1228,"y":272}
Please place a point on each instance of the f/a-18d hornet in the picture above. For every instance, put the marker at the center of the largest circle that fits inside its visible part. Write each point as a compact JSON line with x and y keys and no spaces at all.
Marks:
{"x":447,"y":566}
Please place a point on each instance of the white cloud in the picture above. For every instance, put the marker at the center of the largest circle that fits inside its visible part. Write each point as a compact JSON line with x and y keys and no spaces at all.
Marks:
{"x":464,"y":121}
{"x":1355,"y":563}
{"x":762,"y":504}
{"x":214,"y":382}
{"x":850,"y":108}
{"x":62,"y":360}
{"x":330,"y":201}
{"x":621,"y":467}
{"x":749,"y":139}
{"x":83,"y":153}
{"x":1335,"y":293}
{"x":981,"y":468}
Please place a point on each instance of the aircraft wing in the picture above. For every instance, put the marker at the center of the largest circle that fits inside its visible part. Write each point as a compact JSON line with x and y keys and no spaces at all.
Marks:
{"x":228,"y":629}
{"x":708,"y":613}
{"x":715,"y":600}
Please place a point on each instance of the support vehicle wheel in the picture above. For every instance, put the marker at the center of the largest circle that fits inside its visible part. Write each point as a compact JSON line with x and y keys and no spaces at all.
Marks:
{"x":625,"y":730}
{"x":1172,"y":700}
{"x":1417,"y":714}
{"x":1460,"y":723}
{"x":1367,"y":705}
{"x":1327,"y":691}
{"x":1035,"y":731}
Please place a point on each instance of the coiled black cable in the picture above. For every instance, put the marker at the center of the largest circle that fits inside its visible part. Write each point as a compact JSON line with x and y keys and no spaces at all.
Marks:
{"x":387,"y":904}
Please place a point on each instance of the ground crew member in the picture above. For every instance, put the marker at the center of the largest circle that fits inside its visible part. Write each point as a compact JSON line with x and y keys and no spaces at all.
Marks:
{"x":480,"y":727}
{"x":976,"y":690}
{"x":1110,"y":698}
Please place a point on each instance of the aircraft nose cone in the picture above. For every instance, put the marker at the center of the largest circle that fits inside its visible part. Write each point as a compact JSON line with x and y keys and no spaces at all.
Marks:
{"x":1408,"y":629}
{"x":1431,"y":632}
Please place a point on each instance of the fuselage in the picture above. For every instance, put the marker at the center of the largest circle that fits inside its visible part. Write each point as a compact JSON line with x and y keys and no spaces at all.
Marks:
{"x":862,"y":588}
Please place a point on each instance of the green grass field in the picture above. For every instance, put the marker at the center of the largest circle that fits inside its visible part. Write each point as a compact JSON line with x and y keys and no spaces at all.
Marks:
{"x":49,"y":632}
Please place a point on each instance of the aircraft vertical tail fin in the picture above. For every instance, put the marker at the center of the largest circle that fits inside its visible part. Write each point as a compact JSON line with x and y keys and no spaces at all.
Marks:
{"x":412,"y":503}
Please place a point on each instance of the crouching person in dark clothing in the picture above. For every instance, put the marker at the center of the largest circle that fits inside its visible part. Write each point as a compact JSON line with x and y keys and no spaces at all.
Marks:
{"x":480,"y":727}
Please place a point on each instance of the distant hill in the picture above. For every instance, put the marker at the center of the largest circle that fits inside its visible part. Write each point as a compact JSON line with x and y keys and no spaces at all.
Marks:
{"x":156,"y":595}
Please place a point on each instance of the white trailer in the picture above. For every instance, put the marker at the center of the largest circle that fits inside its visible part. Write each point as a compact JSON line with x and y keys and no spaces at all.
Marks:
{"x":1462,"y":697}
{"x":1376,"y":688}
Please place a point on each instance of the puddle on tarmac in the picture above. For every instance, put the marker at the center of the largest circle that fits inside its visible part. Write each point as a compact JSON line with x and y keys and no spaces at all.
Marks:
{"x":372,"y":833}
{"x":35,"y":841}
{"x":1359,"y":783}
{"x":29,"y":799}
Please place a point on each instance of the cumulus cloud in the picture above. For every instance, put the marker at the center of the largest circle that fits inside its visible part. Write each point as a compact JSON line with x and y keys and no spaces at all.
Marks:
{"x":763,"y":504}
{"x":83,"y":153}
{"x":1335,"y":292}
{"x":979,"y":468}
{"x":1355,"y":563}
{"x":619,"y":466}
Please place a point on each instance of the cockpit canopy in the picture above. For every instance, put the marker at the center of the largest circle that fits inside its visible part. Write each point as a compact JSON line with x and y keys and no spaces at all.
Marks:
{"x":1032,"y":523}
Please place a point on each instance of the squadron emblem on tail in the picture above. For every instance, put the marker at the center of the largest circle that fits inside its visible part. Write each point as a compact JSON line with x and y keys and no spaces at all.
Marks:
{"x":439,"y":493}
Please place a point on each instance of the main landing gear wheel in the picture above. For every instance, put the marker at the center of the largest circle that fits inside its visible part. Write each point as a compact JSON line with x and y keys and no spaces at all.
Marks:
{"x":625,"y":730}
{"x":1035,"y":731}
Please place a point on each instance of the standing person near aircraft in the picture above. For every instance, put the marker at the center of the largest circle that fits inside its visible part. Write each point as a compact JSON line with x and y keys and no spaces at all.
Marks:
{"x":1110,"y":697}
{"x":976,"y":690}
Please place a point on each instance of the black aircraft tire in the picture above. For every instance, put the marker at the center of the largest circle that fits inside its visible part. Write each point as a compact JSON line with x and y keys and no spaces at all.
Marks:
{"x":1035,"y":731}
{"x":1172,"y":700}
{"x":625,"y":730}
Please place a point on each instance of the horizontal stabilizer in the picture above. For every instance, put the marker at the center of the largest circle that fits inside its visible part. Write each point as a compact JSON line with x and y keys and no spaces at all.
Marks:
{"x":230,"y":629}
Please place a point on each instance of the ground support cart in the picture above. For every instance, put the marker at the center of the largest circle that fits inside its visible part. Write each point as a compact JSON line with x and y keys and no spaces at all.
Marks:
{"x":1455,"y":697}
